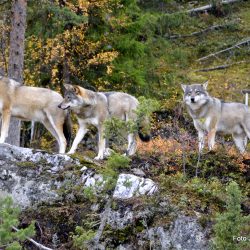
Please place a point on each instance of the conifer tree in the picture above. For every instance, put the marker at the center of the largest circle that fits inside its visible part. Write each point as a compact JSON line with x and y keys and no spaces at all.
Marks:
{"x":231,"y":223}
{"x":9,"y":239}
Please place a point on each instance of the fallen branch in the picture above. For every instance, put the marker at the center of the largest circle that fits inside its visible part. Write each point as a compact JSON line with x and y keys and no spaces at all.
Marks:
{"x":40,"y":246}
{"x":220,"y":67}
{"x":197,"y":33}
{"x":246,"y":42}
{"x":210,"y":6}
{"x":94,"y":243}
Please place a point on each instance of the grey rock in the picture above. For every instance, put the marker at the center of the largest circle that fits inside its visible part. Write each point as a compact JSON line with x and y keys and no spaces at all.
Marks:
{"x":185,"y":233}
{"x":29,"y":176}
{"x":118,"y":220}
{"x":129,"y":185}
{"x":138,"y":172}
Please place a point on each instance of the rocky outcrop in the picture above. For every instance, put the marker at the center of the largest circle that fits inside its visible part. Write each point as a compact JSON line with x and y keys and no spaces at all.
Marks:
{"x":129,"y":185}
{"x":31,"y":176}
{"x":35,"y":176}
{"x":185,"y":233}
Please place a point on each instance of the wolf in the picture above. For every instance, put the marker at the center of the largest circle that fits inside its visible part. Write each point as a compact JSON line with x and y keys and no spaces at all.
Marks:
{"x":34,"y":104}
{"x":94,"y":108}
{"x":211,"y":115}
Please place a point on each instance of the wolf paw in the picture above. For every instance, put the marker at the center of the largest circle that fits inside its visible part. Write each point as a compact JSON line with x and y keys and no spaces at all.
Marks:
{"x":108,"y":152}
{"x":70,"y":152}
{"x":98,"y":158}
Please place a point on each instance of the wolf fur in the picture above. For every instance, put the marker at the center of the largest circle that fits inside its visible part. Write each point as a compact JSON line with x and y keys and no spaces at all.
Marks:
{"x":93,"y":108}
{"x":210,"y":115}
{"x":33,"y":104}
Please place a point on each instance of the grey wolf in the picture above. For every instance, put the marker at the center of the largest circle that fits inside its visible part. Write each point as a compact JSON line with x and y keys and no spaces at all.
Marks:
{"x":211,"y":115}
{"x":93,"y":108}
{"x":33,"y":104}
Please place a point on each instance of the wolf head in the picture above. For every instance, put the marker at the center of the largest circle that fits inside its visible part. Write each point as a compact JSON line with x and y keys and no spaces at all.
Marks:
{"x":74,"y":97}
{"x":195,"y":95}
{"x":77,"y":97}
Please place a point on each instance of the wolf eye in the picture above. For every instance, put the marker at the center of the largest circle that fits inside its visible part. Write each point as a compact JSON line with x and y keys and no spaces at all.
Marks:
{"x":197,"y":92}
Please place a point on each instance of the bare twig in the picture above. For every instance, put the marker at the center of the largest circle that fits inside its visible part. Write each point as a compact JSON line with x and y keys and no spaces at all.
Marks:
{"x":237,"y":45}
{"x":197,"y":33}
{"x":40,"y":246}
{"x":94,"y":243}
{"x":220,"y":67}
{"x":40,"y":229}
{"x":209,"y":6}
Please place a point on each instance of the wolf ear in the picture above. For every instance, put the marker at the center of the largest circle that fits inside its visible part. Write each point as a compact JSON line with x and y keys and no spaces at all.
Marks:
{"x":76,"y":89}
{"x":68,"y":86}
{"x":184,"y":87}
{"x":205,"y":85}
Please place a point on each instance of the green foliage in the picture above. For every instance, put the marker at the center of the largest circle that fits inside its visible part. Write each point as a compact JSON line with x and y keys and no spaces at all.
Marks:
{"x":118,"y":129}
{"x":144,"y":114}
{"x":210,"y":188}
{"x":111,"y":169}
{"x":117,"y":161}
{"x":231,"y":223}
{"x":147,"y":106}
{"x":169,"y":22}
{"x":51,"y":19}
{"x":89,"y":193}
{"x":8,"y":219}
{"x":82,"y":236}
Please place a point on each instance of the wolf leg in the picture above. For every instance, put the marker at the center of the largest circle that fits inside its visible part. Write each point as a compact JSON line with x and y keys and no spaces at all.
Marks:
{"x":131,"y":144}
{"x":82,"y":130}
{"x":5,"y":124}
{"x":201,"y":137}
{"x":62,"y":140}
{"x":49,"y":127}
{"x":246,"y":128}
{"x":58,"y":130}
{"x":101,"y":144}
{"x":245,"y":141}
{"x":240,"y":142}
{"x":211,"y":138}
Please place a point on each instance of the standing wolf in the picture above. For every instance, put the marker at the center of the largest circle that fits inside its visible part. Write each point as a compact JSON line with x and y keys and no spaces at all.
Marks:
{"x":210,"y":115}
{"x":93,"y":108}
{"x":33,"y":104}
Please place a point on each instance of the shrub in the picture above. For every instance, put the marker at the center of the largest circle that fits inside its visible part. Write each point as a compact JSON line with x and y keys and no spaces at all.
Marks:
{"x":82,"y":236}
{"x":111,"y":169}
{"x":8,"y":219}
{"x":231,"y":223}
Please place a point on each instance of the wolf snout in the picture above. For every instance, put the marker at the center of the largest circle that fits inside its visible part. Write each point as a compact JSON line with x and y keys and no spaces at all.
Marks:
{"x":63,"y":106}
{"x":192,"y":100}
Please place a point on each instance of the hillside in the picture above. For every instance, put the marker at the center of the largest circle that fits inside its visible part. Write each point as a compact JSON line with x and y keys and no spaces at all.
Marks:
{"x":171,"y":197}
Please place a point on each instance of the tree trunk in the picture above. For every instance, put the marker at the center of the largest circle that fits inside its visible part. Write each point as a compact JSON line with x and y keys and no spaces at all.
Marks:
{"x":16,"y":58}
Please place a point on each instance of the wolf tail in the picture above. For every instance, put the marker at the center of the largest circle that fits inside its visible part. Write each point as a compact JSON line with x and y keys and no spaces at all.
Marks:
{"x":144,"y":129}
{"x":67,"y":128}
